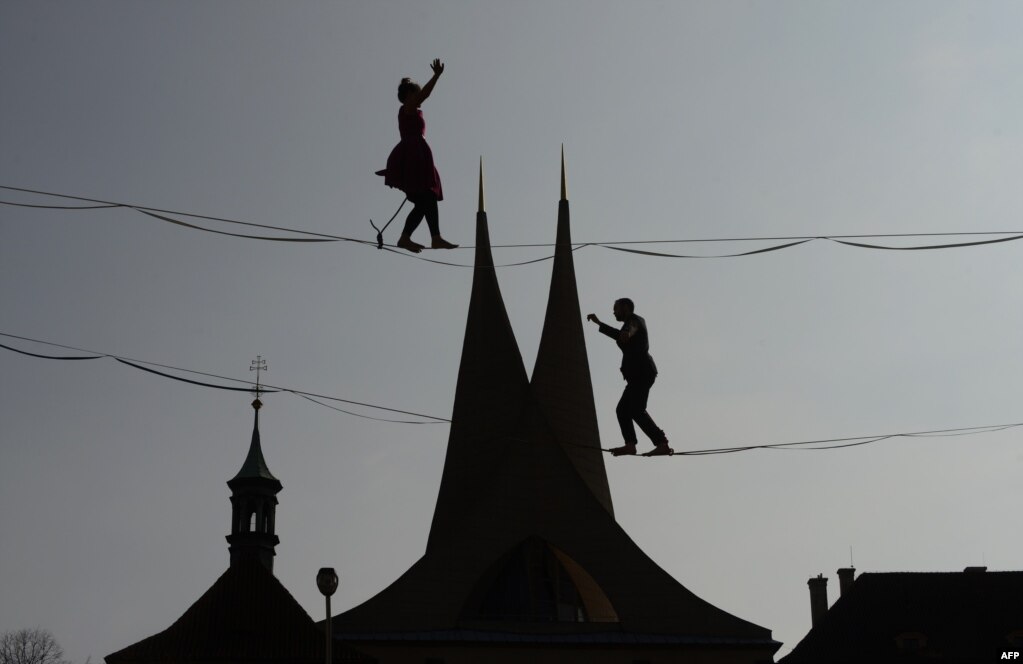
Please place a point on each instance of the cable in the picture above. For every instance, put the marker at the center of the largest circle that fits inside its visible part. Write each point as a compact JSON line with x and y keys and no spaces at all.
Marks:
{"x":259,"y":390}
{"x":210,"y":230}
{"x":52,"y":357}
{"x":368,"y":417}
{"x":804,"y":445}
{"x":618,"y":245}
{"x":320,"y":237}
{"x":60,"y":207}
{"x":839,"y":443}
{"x":745,"y":253}
{"x":264,"y":388}
{"x":380,"y":231}
{"x":145,"y":208}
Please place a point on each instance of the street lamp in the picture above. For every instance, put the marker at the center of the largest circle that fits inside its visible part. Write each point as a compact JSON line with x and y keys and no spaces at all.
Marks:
{"x":326,"y":581}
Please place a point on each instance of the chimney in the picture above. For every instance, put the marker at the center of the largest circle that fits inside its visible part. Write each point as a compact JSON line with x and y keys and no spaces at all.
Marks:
{"x":818,"y":598}
{"x":846,"y":575}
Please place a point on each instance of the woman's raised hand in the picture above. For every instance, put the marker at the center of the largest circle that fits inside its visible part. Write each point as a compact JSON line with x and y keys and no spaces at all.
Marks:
{"x":437,"y":66}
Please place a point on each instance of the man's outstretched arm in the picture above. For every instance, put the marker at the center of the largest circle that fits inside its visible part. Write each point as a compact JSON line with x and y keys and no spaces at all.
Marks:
{"x":604,"y":329}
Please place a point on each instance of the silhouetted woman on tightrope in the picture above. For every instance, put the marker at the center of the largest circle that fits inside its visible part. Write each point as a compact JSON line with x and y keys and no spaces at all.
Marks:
{"x":410,"y":165}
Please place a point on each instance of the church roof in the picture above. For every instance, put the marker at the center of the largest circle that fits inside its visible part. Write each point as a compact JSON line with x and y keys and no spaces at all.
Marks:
{"x":970,"y":616}
{"x":524,"y":505}
{"x":245,"y":616}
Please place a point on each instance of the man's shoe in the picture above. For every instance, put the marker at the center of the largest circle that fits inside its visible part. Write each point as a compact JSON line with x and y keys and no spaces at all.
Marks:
{"x":660,"y":450}
{"x":624,"y":450}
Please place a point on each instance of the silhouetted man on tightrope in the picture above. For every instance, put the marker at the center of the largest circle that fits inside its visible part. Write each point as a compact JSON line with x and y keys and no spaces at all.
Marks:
{"x":639,"y":371}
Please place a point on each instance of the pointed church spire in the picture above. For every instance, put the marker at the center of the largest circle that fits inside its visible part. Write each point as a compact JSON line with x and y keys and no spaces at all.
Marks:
{"x":564,"y":186}
{"x":561,"y":376}
{"x":254,"y":498}
{"x":483,"y":206}
{"x":255,"y":465}
{"x":490,"y":393}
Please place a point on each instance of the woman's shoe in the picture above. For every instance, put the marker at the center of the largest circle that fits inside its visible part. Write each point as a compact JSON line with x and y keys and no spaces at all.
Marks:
{"x":441,"y":243}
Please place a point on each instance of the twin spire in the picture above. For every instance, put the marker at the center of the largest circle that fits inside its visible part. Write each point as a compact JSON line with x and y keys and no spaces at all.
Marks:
{"x":564,"y":186}
{"x":494,"y":395}
{"x":523,"y":538}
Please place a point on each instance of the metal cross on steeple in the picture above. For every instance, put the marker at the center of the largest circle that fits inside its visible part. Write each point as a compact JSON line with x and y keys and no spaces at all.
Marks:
{"x":258,"y":365}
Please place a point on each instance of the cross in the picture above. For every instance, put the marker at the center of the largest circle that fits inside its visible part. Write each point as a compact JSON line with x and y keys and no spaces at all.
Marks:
{"x":258,"y":365}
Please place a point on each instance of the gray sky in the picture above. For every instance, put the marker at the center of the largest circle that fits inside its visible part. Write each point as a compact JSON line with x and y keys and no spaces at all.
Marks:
{"x":679,"y":119}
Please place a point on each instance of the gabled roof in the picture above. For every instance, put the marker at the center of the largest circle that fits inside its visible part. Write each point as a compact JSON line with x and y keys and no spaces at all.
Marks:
{"x":245,"y":616}
{"x":948,"y":617}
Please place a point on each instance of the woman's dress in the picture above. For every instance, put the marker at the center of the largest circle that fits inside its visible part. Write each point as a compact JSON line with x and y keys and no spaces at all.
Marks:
{"x":410,"y":165}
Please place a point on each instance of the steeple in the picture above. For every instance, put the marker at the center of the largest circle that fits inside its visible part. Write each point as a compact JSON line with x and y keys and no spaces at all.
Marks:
{"x":482,"y":206}
{"x":564,"y":185}
{"x":489,"y":394}
{"x":254,"y":500}
{"x":561,"y":377}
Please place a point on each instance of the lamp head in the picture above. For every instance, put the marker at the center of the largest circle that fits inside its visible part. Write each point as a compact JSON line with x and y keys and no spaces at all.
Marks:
{"x":326,"y":581}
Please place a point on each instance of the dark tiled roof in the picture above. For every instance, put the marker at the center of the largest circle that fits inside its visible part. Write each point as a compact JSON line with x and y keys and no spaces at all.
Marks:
{"x":964,"y":617}
{"x":246,"y":616}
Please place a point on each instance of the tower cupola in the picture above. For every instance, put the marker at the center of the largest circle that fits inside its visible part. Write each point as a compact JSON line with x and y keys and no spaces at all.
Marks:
{"x":254,"y":502}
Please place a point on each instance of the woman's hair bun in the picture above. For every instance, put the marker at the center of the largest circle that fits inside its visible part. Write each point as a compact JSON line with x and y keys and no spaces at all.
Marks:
{"x":406,"y":85}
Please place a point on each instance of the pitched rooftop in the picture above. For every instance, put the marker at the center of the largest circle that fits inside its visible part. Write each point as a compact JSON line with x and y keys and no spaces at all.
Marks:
{"x":245,"y":616}
{"x":969,"y":616}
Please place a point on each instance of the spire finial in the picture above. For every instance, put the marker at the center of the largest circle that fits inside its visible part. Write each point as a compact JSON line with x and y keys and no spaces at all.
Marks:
{"x":258,"y":365}
{"x":564,"y":186}
{"x":483,"y":207}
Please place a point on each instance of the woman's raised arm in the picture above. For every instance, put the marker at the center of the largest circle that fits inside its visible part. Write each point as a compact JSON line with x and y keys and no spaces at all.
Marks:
{"x":414,"y":101}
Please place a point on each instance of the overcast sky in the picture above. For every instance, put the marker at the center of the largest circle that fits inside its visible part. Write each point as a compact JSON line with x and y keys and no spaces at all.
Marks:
{"x":680,"y":120}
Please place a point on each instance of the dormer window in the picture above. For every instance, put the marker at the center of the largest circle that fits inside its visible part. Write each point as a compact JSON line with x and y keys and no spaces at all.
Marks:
{"x":537,"y":582}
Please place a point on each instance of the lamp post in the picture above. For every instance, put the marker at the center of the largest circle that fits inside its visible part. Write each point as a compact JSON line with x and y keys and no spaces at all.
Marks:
{"x":326,"y":581}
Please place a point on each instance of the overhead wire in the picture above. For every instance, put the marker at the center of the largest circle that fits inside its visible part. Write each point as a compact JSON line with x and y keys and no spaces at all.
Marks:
{"x":141,"y":208}
{"x":804,"y":445}
{"x":264,"y":388}
{"x":839,"y":443}
{"x":348,"y":412}
{"x":161,"y":214}
{"x":789,"y":241}
{"x":618,"y":245}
